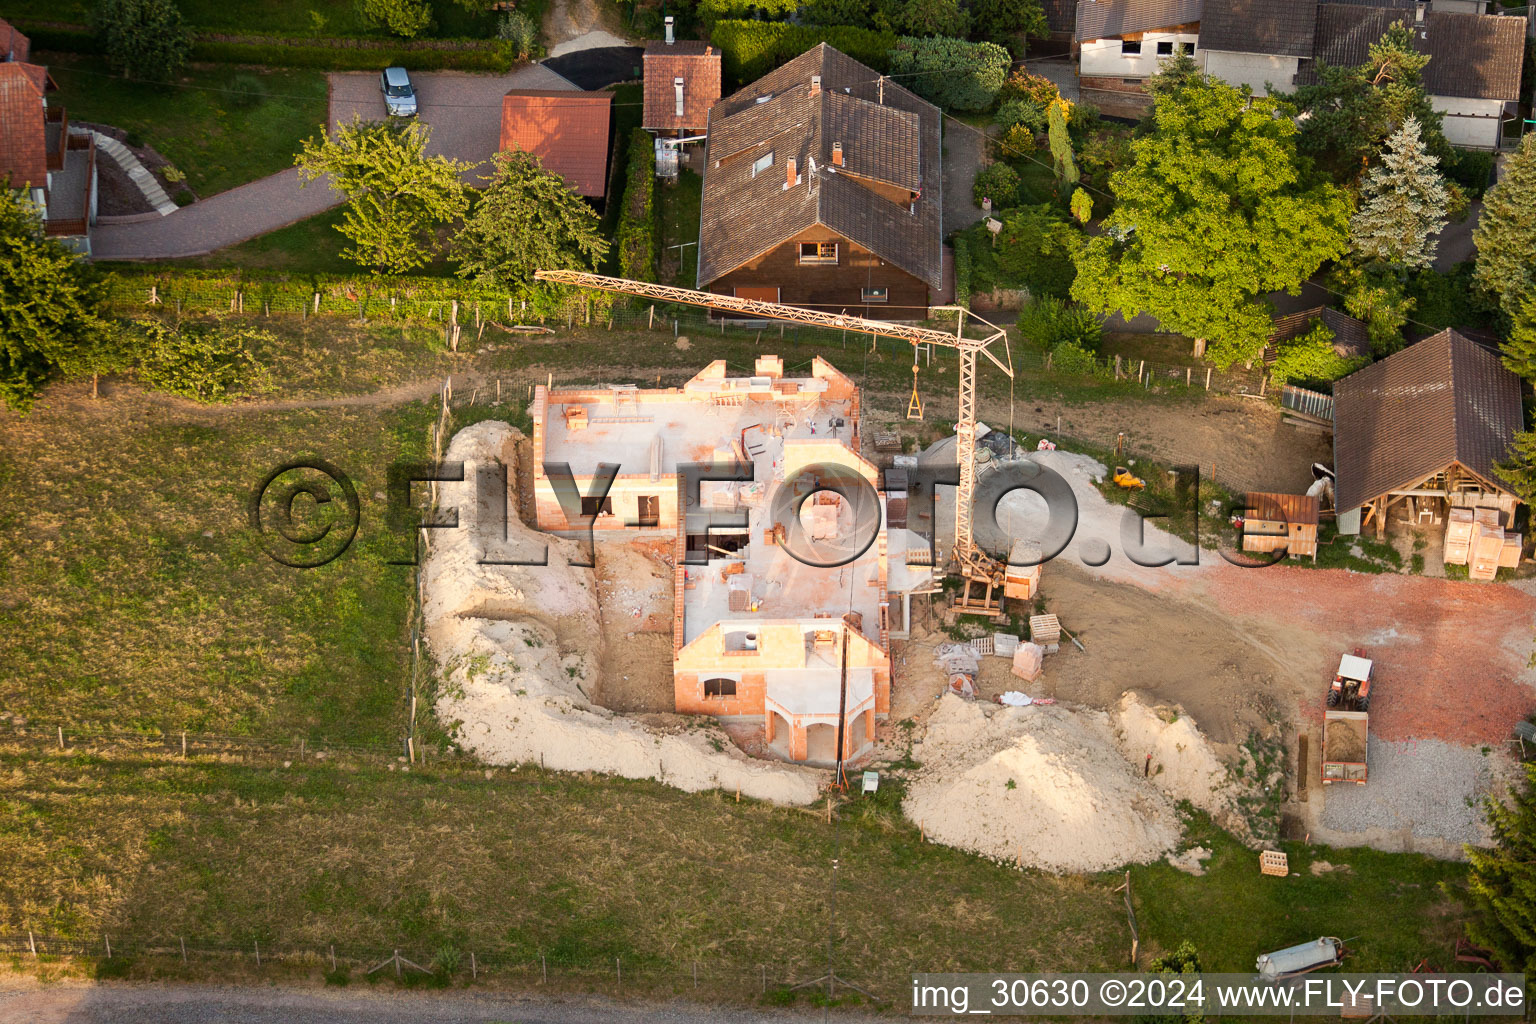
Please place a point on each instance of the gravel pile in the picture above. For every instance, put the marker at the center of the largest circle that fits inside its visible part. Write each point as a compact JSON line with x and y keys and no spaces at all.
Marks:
{"x":1430,"y":787}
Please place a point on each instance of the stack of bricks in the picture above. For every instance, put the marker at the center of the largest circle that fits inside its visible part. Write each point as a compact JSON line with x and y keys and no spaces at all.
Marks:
{"x":1474,"y":538}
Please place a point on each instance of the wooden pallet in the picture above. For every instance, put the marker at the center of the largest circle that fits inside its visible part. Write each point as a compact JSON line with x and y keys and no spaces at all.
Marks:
{"x":1044,"y":629}
{"x":887,"y":441}
{"x":1274,"y":862}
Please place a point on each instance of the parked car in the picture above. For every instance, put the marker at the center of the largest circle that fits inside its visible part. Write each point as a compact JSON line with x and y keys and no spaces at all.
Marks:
{"x":399,"y":94}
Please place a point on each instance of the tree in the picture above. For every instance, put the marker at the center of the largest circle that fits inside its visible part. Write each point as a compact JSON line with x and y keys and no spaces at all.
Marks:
{"x":1520,"y":344}
{"x":50,"y":320}
{"x":1312,"y":357}
{"x":1008,"y":19}
{"x":1061,"y":145}
{"x":1184,"y":960}
{"x":1376,"y":296}
{"x":951,"y":73}
{"x":1214,"y":213}
{"x":143,"y":39}
{"x":1505,"y":235}
{"x":201,"y":361}
{"x":1404,"y":204}
{"x":1081,"y":206}
{"x":948,"y":18}
{"x":1035,"y":249}
{"x":526,"y":220}
{"x":1351,"y":111}
{"x":404,"y":18}
{"x":395,"y":192}
{"x":1501,"y":880}
{"x":999,"y":183}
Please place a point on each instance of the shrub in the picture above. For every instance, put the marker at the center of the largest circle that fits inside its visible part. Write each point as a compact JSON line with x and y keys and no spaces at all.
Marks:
{"x":712,"y":11}
{"x":520,"y":34}
{"x":962,"y":272}
{"x":1470,"y":169}
{"x":929,"y":17}
{"x":636,"y":236}
{"x":751,"y":49}
{"x":277,"y":54}
{"x":404,"y":18}
{"x":1025,"y":113}
{"x":952,"y":73}
{"x":1051,"y":322}
{"x":1015,"y":142}
{"x":143,"y":38}
{"x":998,"y":182}
{"x":1071,"y":358}
{"x":206,"y":363}
{"x":1312,"y":358}
{"x":1023,"y":85}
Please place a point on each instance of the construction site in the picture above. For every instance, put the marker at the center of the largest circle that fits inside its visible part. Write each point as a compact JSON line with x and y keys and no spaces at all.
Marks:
{"x":782,"y":601}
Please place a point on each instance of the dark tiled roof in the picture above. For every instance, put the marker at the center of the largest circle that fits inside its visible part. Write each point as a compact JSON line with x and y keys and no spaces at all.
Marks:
{"x":895,"y":142}
{"x":566,"y":129}
{"x":1350,"y":338}
{"x":1280,"y":27}
{"x":1100,"y":19}
{"x":1477,"y":56}
{"x":1061,"y":15}
{"x":698,"y":65}
{"x":23,"y":136}
{"x":1446,"y":399}
{"x":13,"y":45}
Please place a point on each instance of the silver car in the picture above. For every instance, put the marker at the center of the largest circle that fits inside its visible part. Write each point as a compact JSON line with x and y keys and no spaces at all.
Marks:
{"x":399,"y":94}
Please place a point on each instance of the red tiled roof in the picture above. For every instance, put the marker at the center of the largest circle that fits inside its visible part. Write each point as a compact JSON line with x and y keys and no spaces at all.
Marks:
{"x":567,"y":131}
{"x":23,"y":137}
{"x":698,"y":65}
{"x":13,"y":45}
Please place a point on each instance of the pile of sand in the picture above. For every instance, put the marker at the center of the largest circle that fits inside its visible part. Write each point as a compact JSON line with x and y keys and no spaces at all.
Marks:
{"x":518,"y":648}
{"x":1041,"y":784}
{"x":1184,"y":765}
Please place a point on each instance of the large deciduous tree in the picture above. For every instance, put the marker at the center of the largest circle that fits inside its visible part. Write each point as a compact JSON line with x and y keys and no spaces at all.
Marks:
{"x":1506,"y":232}
{"x":526,"y":220}
{"x":144,"y":39}
{"x":396,"y":193}
{"x":1216,"y":211}
{"x":952,"y":73}
{"x":1403,"y":206}
{"x":50,"y":320}
{"x":1000,"y":20}
{"x":1350,"y":111}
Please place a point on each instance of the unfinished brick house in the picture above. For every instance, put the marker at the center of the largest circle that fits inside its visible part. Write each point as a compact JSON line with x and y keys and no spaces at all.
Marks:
{"x":822,"y":189}
{"x":758,"y":634}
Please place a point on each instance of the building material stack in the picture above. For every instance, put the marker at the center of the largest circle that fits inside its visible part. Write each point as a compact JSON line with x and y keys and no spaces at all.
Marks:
{"x":1474,"y":538}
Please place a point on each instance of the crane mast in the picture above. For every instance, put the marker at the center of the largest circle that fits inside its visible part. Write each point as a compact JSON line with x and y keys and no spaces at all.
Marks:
{"x":974,"y":564}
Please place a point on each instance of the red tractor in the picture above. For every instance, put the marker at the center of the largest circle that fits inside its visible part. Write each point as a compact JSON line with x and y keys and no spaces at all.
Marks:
{"x":1351,"y":686}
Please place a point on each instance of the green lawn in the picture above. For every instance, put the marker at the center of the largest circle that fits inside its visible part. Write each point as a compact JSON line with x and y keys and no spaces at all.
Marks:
{"x":270,"y":17}
{"x":222,"y":127}
{"x":680,"y":227}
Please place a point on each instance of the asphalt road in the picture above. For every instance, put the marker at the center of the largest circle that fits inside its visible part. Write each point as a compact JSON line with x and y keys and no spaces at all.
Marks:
{"x":205,"y":1004}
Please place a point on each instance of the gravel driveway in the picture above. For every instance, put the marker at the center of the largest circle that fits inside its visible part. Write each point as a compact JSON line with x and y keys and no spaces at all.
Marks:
{"x":463,"y":110}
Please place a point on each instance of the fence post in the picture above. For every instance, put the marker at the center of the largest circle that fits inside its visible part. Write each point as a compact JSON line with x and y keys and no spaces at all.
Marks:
{"x":695,"y":974}
{"x":32,"y":945}
{"x":474,"y":970}
{"x":183,"y":743}
{"x":108,"y":940}
{"x":618,"y":967}
{"x":61,"y":737}
{"x":258,"y":953}
{"x":333,"y":958}
{"x":183,"y":942}
{"x":543,"y":968}
{"x":650,"y":320}
{"x":1207,"y":378}
{"x":765,"y":976}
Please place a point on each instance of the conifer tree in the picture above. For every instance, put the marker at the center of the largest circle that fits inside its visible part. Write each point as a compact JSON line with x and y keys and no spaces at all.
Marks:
{"x":1501,"y":881}
{"x":1404,"y":204}
{"x":1506,"y":232}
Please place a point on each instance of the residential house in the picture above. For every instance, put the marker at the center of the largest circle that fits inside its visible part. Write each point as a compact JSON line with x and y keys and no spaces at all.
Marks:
{"x":759,"y":635}
{"x":682,"y":83}
{"x":1122,"y":43}
{"x":822,"y":188}
{"x":1258,"y":43}
{"x":1473,"y":74}
{"x":40,"y":154}
{"x":567,"y":129}
{"x":1423,"y":431}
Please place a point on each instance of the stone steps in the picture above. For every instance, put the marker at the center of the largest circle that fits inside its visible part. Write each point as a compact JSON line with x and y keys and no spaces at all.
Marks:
{"x":137,"y":172}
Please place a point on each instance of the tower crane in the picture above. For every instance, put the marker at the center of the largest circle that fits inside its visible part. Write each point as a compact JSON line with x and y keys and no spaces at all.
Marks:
{"x":974,"y":565}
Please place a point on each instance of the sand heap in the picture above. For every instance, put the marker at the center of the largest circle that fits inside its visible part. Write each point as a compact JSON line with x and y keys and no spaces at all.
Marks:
{"x":1185,"y":765}
{"x":1044,"y":782}
{"x":518,"y":649}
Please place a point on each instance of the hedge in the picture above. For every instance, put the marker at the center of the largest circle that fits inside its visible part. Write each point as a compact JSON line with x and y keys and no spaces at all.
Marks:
{"x":636,"y":236}
{"x":963,"y":272}
{"x":751,"y":49}
{"x":330,"y":54}
{"x":395,"y":300}
{"x":951,"y":73}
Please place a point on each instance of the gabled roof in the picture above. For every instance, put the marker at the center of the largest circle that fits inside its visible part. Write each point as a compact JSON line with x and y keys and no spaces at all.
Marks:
{"x":566,"y":129}
{"x":1475,"y":56}
{"x":1282,"y":28}
{"x":13,"y":45}
{"x":1350,"y":337}
{"x":895,"y":142}
{"x":23,"y":135}
{"x":1102,"y":19}
{"x":1446,"y":399}
{"x":698,"y":65}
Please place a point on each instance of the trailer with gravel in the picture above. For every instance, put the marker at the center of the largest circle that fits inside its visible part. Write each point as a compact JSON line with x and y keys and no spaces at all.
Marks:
{"x":1344,"y":746}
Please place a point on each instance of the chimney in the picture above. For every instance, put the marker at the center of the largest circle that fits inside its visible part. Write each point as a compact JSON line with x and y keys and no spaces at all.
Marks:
{"x":677,"y":89}
{"x":669,"y":21}
{"x":837,"y":154}
{"x":815,"y":85}
{"x":789,"y":173}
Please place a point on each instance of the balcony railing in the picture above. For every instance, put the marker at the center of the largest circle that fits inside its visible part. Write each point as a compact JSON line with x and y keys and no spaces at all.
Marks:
{"x":83,"y":146}
{"x":56,"y":131}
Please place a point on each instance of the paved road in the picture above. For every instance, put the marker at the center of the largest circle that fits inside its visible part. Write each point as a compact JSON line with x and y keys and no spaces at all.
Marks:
{"x":463,"y":110}
{"x":200,"y":1004}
